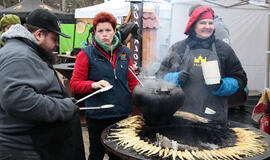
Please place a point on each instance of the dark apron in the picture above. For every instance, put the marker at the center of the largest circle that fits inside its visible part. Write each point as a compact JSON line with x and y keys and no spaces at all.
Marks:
{"x":198,"y":98}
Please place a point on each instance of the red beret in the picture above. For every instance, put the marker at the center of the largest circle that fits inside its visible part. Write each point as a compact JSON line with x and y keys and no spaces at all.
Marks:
{"x":199,"y":14}
{"x":206,"y":15}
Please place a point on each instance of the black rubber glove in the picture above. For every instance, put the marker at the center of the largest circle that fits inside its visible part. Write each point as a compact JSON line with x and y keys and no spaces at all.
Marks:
{"x":214,"y":87}
{"x":183,"y":77}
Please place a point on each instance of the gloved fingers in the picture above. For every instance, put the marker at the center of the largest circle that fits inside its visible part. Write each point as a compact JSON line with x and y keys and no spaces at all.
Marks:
{"x":184,"y":73}
{"x":73,"y":99}
{"x":183,"y":77}
{"x":186,"y":76}
{"x":213,"y":87}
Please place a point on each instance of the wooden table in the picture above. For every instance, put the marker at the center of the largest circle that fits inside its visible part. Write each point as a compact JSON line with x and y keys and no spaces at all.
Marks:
{"x":66,"y":58}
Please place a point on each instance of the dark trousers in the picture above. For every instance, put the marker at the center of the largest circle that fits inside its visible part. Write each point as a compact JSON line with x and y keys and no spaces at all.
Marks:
{"x":95,"y":128}
{"x":12,"y":154}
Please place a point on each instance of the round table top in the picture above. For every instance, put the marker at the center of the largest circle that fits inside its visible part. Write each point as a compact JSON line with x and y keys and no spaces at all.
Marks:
{"x":130,"y":154}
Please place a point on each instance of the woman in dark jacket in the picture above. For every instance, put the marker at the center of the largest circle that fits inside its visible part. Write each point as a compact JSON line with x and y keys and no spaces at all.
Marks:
{"x":103,"y":63}
{"x":183,"y":67}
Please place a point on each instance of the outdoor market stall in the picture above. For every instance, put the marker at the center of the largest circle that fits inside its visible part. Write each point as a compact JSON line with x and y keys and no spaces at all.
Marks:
{"x":26,"y":6}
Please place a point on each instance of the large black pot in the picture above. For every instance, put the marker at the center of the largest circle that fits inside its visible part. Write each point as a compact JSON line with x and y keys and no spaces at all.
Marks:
{"x":157,"y":100}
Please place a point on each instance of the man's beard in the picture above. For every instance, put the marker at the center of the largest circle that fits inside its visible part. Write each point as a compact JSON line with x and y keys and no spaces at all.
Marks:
{"x":52,"y":59}
{"x":48,"y":55}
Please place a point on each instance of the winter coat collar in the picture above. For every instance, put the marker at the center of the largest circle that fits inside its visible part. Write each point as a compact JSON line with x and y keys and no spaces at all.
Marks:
{"x":18,"y":31}
{"x":106,"y":48}
{"x":21,"y":33}
{"x":194,"y":42}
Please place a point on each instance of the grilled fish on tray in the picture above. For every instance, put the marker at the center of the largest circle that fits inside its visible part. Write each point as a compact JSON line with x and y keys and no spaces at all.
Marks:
{"x":126,"y":134}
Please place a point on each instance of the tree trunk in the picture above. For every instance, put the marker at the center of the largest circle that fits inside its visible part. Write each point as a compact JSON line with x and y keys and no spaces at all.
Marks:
{"x":6,"y":3}
{"x":64,"y":5}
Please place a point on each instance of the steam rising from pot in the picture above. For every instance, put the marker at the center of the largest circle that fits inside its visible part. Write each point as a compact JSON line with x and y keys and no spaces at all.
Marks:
{"x":157,"y":100}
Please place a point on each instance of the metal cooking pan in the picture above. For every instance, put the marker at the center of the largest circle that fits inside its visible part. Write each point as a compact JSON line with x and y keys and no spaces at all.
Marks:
{"x":129,"y":154}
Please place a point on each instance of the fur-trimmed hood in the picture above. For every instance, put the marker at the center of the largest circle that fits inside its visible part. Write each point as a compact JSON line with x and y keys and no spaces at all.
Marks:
{"x":20,"y":32}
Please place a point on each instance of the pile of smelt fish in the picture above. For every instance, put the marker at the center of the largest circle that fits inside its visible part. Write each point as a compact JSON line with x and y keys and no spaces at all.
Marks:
{"x":247,"y":144}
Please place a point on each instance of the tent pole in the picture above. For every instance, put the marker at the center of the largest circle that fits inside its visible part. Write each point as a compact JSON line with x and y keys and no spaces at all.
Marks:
{"x":74,"y":34}
{"x":268,"y":52}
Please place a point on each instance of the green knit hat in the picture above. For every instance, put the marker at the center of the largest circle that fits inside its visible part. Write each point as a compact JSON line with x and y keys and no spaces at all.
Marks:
{"x":9,"y":19}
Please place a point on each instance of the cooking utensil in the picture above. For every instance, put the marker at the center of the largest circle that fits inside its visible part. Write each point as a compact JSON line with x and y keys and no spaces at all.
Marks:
{"x":99,"y":107}
{"x":94,"y":93}
{"x":135,"y":76}
{"x":191,"y":117}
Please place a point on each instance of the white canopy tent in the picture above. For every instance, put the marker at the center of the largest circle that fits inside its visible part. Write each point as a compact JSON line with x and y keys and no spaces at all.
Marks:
{"x":118,"y":9}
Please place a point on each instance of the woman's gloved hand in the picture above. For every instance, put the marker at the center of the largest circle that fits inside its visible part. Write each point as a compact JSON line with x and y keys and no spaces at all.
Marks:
{"x":178,"y":78}
{"x":214,"y":87}
{"x":171,"y":77}
{"x":228,"y":87}
{"x":183,"y":77}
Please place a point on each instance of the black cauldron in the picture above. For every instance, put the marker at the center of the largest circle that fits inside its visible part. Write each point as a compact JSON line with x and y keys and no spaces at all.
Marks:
{"x":157,"y":100}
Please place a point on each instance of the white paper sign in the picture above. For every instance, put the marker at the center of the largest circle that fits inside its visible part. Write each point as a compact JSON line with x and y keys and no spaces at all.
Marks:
{"x":211,"y":72}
